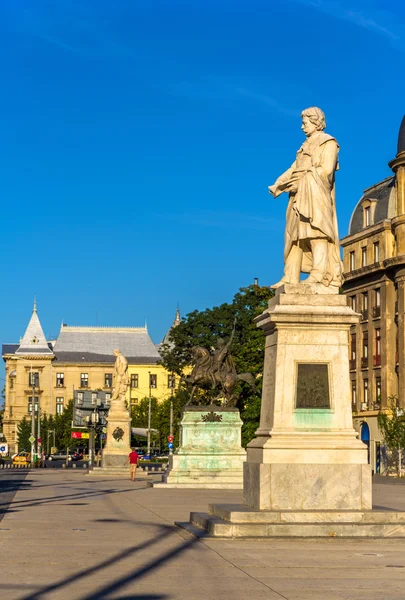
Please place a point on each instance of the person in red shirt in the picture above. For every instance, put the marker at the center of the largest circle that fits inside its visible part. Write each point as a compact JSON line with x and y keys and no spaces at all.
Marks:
{"x":133,"y":461}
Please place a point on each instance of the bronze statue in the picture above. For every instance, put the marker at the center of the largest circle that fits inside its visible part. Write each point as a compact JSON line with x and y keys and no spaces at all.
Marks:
{"x":217,"y":370}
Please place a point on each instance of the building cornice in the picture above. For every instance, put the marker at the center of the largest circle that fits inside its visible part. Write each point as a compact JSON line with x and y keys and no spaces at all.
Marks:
{"x":366,"y":233}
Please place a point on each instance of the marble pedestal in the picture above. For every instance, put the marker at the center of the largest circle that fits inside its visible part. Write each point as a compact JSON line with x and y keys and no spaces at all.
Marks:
{"x":306,"y":472}
{"x":117,"y":447}
{"x":210,"y":453}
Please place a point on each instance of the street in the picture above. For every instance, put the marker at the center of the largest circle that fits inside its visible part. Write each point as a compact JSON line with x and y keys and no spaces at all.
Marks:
{"x":66,"y":535}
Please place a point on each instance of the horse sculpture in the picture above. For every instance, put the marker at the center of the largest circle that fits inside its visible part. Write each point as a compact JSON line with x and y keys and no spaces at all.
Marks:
{"x":217,"y":370}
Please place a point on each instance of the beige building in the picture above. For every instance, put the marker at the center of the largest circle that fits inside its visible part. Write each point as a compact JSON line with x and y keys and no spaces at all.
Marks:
{"x":80,"y":359}
{"x":374,"y":269}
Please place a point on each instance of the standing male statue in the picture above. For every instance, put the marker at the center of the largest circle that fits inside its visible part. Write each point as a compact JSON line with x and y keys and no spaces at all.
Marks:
{"x":120,"y":376}
{"x":311,"y":242}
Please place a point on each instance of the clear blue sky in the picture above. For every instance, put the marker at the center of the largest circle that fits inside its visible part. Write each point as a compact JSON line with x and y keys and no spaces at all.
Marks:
{"x":138,"y":139}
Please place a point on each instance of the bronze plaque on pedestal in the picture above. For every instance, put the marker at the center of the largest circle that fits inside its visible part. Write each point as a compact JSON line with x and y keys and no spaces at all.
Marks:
{"x":312,"y":386}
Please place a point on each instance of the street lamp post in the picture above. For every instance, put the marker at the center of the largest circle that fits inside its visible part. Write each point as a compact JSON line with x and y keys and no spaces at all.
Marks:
{"x":171,"y":418}
{"x":149,"y":413}
{"x":32,"y":417}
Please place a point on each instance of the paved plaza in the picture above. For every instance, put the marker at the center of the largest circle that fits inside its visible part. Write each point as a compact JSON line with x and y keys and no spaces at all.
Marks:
{"x":65,"y":535}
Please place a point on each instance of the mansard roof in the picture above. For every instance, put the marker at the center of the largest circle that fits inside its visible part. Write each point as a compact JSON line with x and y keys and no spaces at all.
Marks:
{"x":96,"y":344}
{"x":384,"y":194}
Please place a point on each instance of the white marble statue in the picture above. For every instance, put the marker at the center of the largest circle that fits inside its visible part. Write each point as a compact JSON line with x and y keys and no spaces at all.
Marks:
{"x":120,"y":377}
{"x":311,"y":234}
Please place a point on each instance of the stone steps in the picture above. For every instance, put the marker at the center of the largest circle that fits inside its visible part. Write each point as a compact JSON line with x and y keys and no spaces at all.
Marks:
{"x":238,"y":521}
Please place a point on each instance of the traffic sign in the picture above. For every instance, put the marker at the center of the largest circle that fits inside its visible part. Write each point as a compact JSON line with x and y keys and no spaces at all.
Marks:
{"x":85,"y":435}
{"x":170,"y":438}
{"x":39,"y":440}
{"x":103,"y":436}
{"x":31,"y":439}
{"x":170,"y":444}
{"x":104,"y":430}
{"x":76,"y":435}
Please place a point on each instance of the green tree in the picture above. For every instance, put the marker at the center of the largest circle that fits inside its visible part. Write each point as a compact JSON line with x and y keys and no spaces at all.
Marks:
{"x":391,"y":423}
{"x":203,"y":328}
{"x":62,"y":424}
{"x":23,"y":434}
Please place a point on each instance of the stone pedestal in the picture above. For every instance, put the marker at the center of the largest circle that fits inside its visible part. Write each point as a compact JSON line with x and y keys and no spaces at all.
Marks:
{"x":210,"y":453}
{"x":306,"y":455}
{"x":117,"y":447}
{"x":306,"y":472}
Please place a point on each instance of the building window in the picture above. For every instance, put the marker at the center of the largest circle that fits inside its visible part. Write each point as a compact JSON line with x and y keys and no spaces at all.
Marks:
{"x":36,"y":401}
{"x":352,"y":361}
{"x":59,"y":406}
{"x":134,"y":380}
{"x":365,"y":393}
{"x":378,"y":390}
{"x":354,"y":394}
{"x":108,"y":399}
{"x":60,"y":380}
{"x":364,"y":361}
{"x":108,"y":380}
{"x":11,"y":382}
{"x":94,"y":397}
{"x":80,"y":398}
{"x":171,"y":381}
{"x":33,"y":379}
{"x":364,"y":256}
{"x":378,"y":297}
{"x":377,"y":355}
{"x":353,"y":302}
{"x":367,"y":216}
{"x":376,"y":252}
{"x":153,"y":381}
{"x":352,"y":261}
{"x":353,"y":347}
{"x":364,"y":306}
{"x":84,"y":380}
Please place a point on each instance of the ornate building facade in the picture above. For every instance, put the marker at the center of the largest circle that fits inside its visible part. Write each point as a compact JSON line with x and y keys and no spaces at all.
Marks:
{"x":374,"y":269}
{"x":45,"y":374}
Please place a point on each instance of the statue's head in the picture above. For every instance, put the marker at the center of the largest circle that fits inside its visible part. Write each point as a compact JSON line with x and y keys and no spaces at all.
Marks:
{"x":116,"y":352}
{"x":313,"y":119}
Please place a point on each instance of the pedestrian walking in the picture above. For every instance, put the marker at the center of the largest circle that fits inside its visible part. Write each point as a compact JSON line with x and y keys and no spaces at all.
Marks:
{"x":133,"y":462}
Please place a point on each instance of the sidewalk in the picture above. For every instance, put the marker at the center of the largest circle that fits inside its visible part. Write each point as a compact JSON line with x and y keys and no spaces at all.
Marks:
{"x":68,"y":536}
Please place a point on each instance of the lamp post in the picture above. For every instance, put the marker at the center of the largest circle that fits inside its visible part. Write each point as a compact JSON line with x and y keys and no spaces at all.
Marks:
{"x":47,"y":443}
{"x":149,"y":413}
{"x":171,"y":414}
{"x":32,"y":407}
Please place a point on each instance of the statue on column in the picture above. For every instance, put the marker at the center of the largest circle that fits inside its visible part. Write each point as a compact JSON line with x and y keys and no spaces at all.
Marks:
{"x":120,"y":378}
{"x":311,"y":242}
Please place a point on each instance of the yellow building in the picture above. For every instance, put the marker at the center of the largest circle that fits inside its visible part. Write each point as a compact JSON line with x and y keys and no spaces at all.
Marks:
{"x":374,"y":269}
{"x":80,"y":359}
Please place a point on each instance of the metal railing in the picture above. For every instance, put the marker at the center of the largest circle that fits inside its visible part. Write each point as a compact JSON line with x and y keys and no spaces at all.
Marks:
{"x":364,"y":314}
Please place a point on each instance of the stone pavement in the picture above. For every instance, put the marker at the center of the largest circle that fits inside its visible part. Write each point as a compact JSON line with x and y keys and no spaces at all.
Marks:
{"x":68,"y":536}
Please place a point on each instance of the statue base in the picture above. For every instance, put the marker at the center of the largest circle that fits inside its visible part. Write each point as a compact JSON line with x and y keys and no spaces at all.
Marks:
{"x":117,"y":448}
{"x":210,"y":455}
{"x":306,"y":473}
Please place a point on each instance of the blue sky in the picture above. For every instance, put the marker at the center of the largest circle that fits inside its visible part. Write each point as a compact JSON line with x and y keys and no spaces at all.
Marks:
{"x":138,"y":140}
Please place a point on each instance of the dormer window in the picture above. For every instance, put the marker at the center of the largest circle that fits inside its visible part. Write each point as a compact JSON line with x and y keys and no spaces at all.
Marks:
{"x":368,"y":206}
{"x":367,"y":217}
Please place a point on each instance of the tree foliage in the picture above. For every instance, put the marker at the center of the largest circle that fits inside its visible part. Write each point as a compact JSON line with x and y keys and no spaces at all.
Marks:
{"x":23,"y":434}
{"x":391,"y":423}
{"x":203,"y":328}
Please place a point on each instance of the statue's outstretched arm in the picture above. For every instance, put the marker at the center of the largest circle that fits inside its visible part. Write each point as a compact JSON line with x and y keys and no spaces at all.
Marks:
{"x":281,"y":183}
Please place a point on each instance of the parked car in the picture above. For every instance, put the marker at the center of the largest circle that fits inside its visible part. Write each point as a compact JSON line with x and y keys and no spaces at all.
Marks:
{"x":22,"y":458}
{"x":61,"y":455}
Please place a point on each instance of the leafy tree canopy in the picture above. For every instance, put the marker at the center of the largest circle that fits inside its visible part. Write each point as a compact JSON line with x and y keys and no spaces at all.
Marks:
{"x":203,"y":328}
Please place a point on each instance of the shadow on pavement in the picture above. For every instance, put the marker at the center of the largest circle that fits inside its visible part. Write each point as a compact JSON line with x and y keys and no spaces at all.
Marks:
{"x":115,"y":585}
